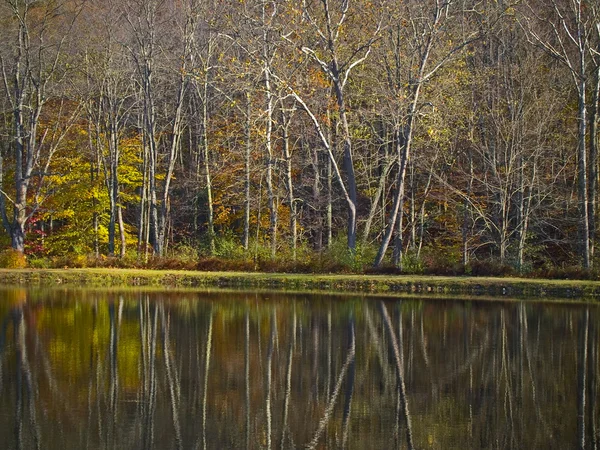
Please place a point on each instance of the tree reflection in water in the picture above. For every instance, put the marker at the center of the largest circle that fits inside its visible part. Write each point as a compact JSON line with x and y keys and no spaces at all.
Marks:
{"x":90,"y":369}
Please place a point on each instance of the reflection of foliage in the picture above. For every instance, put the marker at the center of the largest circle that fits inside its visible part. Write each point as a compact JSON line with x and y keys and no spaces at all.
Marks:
{"x":467,"y":366}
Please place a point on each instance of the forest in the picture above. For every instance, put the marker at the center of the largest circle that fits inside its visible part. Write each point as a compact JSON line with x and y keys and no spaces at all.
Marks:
{"x":436,"y":136}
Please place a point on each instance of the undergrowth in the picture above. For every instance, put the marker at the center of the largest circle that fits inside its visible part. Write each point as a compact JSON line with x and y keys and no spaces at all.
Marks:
{"x":336,"y":259}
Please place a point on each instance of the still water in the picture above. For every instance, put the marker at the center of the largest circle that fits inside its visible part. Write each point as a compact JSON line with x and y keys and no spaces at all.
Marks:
{"x":167,"y":370}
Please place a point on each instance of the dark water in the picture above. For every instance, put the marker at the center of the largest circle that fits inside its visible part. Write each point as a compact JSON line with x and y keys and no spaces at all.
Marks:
{"x":131,"y":370}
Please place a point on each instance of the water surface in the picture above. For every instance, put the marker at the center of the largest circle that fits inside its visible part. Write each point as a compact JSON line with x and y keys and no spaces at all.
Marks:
{"x":167,"y":370}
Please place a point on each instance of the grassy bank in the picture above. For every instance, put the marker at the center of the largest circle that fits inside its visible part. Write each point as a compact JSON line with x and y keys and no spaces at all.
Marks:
{"x":372,"y":284}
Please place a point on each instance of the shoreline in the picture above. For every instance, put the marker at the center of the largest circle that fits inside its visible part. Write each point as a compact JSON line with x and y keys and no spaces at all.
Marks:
{"x":388,"y":285}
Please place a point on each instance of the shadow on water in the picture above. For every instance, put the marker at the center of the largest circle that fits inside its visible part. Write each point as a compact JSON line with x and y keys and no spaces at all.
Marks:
{"x":91,"y":370}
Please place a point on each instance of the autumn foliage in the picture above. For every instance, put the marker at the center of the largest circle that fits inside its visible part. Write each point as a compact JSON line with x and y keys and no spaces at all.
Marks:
{"x":422,"y":136}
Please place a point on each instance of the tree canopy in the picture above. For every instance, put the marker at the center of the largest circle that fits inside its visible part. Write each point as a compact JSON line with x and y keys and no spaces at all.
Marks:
{"x":407,"y":133}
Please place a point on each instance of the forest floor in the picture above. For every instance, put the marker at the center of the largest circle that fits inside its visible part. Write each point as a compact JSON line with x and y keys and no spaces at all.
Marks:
{"x":388,"y":285}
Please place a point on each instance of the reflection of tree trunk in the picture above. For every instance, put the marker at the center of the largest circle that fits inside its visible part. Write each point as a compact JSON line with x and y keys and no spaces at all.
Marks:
{"x":329,"y":353}
{"x":206,"y":369}
{"x":94,"y":362}
{"x":315,"y":362}
{"x":379,"y":348}
{"x":538,"y":410}
{"x":582,"y":360}
{"x":115,"y":321}
{"x":399,"y":359}
{"x":410,"y":363}
{"x":520,"y":382}
{"x":247,"y":377}
{"x":269,"y":379}
{"x":288,"y":382}
{"x":24,"y":372}
{"x":424,"y":342}
{"x":349,"y":394}
{"x":593,"y":383}
{"x":3,"y":331}
{"x":172,"y":378}
{"x":468,"y":325}
{"x":336,"y":391}
{"x":148,"y":332}
{"x":18,"y":384}
{"x":505,"y":373}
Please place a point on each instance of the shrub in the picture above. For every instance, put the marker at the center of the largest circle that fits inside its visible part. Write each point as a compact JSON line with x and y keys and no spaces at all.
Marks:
{"x":213,"y":264}
{"x":490,"y":267}
{"x":338,"y":258}
{"x":70,"y":260}
{"x":412,"y":263}
{"x":184,"y":252}
{"x":39,"y":262}
{"x":12,"y":259}
{"x":568,"y":272}
{"x":228,"y":246}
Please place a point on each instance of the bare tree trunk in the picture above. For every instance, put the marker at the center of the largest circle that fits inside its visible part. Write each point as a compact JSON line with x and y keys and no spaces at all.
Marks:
{"x":403,"y":144}
{"x":403,"y":136}
{"x":571,"y":48}
{"x":287,"y":154}
{"x":203,"y":92}
{"x":209,"y":193}
{"x":111,"y":163}
{"x":329,"y":206}
{"x":94,"y":175}
{"x":121,"y":232}
{"x":175,"y":147}
{"x":467,"y":215}
{"x":267,"y":54}
{"x":582,"y":184}
{"x":316,"y":197}
{"x":338,"y":75}
{"x":398,"y":241}
{"x":142,"y":244}
{"x":593,"y":166}
{"x":375,"y":202}
{"x":150,"y":136}
{"x":423,"y":40}
{"x":247,"y":155}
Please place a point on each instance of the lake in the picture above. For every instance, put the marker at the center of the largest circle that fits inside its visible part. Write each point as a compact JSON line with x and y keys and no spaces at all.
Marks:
{"x":91,"y":369}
